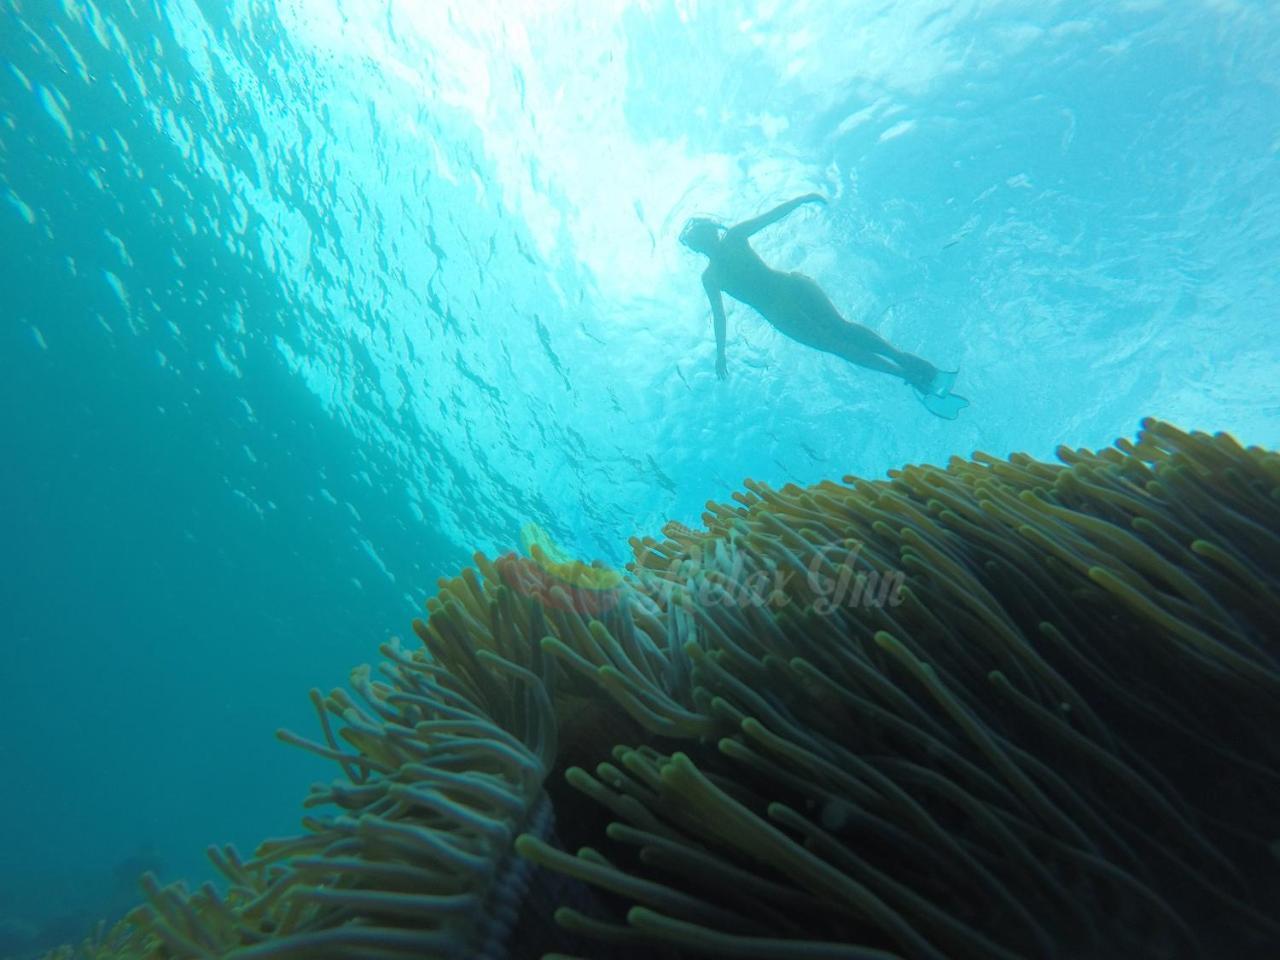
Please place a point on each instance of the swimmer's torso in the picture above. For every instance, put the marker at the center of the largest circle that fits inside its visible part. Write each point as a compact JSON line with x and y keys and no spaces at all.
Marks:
{"x":738,"y":271}
{"x":792,"y":303}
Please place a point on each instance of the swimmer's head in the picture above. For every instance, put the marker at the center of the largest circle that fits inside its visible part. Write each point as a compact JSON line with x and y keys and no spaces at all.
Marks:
{"x":701,"y":235}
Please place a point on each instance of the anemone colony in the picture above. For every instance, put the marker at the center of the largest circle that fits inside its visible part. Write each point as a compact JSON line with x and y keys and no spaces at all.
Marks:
{"x":1055,"y":737}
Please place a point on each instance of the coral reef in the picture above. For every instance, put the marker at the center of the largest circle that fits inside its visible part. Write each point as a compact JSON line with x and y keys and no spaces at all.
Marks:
{"x":1002,"y":709}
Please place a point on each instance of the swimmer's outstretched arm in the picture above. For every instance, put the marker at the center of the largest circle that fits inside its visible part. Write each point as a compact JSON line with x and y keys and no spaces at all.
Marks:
{"x":750,"y":227}
{"x":717,"y":313}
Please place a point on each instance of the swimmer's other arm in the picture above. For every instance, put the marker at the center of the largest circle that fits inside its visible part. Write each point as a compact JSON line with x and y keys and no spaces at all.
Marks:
{"x":753,"y":226}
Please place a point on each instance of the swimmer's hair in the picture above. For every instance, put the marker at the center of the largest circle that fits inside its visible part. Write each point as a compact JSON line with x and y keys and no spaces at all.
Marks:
{"x":695,"y":225}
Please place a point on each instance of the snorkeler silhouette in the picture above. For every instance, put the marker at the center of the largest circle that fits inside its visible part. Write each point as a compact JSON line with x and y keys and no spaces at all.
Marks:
{"x":796,"y":307}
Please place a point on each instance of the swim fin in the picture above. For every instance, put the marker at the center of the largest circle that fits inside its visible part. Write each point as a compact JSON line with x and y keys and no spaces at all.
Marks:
{"x":938,"y":398}
{"x":942,"y":382}
{"x":947,"y":407}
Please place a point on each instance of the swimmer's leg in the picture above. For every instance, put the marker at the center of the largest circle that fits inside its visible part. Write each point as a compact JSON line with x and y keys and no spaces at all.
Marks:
{"x":869,"y":360}
{"x":931,"y":385}
{"x":866,"y":348}
{"x":922,"y":374}
{"x":815,"y":322}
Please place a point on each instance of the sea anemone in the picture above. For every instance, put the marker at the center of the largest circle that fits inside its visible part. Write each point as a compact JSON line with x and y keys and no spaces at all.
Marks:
{"x":1002,"y":709}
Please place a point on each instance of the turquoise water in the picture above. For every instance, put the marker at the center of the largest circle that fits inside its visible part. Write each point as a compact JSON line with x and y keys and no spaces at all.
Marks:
{"x":304,"y":302}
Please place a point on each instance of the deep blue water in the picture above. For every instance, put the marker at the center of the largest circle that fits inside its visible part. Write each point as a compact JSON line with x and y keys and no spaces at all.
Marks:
{"x":305,"y":301}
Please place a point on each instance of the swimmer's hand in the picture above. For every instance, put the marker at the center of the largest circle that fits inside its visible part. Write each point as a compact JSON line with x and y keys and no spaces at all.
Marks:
{"x":722,"y":372}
